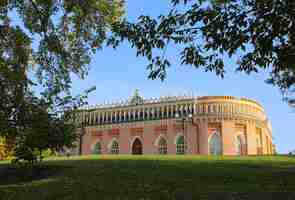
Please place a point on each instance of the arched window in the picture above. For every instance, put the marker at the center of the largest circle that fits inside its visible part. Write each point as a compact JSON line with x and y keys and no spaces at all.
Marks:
{"x":115,"y":147}
{"x":215,"y":144}
{"x":180,"y":145}
{"x":96,"y":148}
{"x":162,"y":146}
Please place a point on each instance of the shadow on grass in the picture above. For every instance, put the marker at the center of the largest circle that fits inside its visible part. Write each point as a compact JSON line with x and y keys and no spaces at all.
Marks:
{"x":10,"y":174}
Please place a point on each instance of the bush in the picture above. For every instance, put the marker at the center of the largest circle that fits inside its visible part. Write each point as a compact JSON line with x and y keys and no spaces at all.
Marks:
{"x":24,"y":155}
{"x":6,"y":148}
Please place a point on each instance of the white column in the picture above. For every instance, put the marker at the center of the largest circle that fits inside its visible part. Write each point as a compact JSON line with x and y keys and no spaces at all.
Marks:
{"x":148,"y":110}
{"x":232,"y":108}
{"x":128,"y":115}
{"x":167,"y":111}
{"x":119,"y":116}
{"x":95,"y":117}
{"x":107,"y":116}
{"x":181,"y":110}
{"x":90,"y":118}
{"x":103,"y":117}
{"x":143,"y":113}
{"x":195,"y":108}
{"x":134,"y":115}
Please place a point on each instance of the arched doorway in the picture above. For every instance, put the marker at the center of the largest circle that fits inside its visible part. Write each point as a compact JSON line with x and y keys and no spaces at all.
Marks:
{"x":239,"y":145}
{"x":137,"y":147}
{"x":215,"y":147}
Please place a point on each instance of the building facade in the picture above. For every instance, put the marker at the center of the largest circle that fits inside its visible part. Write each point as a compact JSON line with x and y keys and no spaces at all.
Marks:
{"x":208,"y":125}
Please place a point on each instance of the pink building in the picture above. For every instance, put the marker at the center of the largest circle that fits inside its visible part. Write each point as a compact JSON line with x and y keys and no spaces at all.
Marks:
{"x":209,"y":125}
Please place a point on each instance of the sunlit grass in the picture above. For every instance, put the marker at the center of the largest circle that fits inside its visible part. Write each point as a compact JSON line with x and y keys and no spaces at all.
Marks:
{"x":4,"y":162}
{"x":155,"y":177}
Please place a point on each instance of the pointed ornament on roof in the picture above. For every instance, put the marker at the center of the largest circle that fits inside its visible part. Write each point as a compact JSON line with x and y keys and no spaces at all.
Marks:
{"x":136,"y":98}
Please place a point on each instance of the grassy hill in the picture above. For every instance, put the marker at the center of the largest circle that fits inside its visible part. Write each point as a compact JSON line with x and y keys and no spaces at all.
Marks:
{"x":152,"y":177}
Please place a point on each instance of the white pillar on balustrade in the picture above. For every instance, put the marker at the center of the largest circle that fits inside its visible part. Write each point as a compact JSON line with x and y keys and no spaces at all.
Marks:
{"x":116,"y":116}
{"x":143,"y":113}
{"x":181,"y":110}
{"x":129,"y":115}
{"x":153,"y":111}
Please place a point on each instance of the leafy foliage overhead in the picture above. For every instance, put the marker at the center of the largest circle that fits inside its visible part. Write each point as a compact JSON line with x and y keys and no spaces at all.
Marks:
{"x":258,"y":34}
{"x":64,"y":33}
{"x":42,"y":44}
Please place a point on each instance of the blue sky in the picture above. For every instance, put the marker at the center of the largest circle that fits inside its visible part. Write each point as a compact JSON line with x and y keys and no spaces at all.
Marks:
{"x":116,"y":73}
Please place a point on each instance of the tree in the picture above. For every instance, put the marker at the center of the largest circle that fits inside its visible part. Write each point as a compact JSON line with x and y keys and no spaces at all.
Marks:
{"x":65,"y":35}
{"x":41,"y":130}
{"x":42,"y":44}
{"x":257,"y":34}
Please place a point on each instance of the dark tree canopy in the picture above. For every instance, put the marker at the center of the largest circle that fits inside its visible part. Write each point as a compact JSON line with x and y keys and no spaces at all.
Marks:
{"x":258,"y":34}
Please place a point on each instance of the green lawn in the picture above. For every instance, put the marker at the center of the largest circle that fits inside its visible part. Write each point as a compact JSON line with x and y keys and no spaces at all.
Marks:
{"x":152,"y":177}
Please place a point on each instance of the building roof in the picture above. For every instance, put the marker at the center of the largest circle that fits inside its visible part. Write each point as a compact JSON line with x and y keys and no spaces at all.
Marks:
{"x":136,"y":99}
